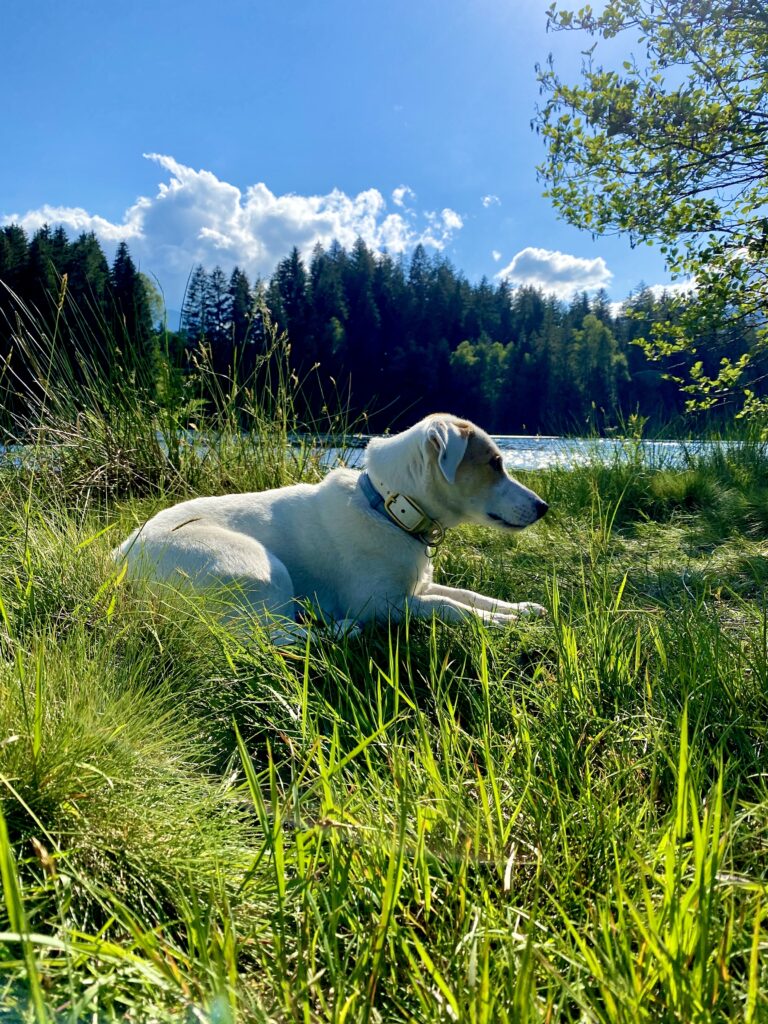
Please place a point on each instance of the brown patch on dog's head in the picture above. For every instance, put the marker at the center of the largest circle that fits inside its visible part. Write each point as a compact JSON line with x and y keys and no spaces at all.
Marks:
{"x":482,"y":458}
{"x":481,"y":462}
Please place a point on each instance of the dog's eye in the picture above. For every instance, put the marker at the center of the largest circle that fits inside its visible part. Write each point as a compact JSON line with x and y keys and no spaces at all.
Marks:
{"x":497,"y":464}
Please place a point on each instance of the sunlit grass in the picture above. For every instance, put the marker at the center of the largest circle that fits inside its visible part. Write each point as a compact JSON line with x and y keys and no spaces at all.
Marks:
{"x":566,"y":820}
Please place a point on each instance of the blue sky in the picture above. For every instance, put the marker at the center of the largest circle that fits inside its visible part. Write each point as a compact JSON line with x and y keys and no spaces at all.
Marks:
{"x":227,"y":132}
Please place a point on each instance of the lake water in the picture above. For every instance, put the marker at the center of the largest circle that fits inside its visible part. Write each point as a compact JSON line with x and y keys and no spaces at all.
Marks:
{"x":522,"y":452}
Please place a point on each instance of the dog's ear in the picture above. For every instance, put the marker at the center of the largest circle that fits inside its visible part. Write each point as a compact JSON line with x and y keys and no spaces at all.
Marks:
{"x":450,"y":443}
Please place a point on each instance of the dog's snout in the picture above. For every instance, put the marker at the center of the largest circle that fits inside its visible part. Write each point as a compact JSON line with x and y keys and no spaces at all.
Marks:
{"x":541,"y":508}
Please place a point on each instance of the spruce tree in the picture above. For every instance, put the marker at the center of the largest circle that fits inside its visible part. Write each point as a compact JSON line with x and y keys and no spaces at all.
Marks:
{"x":219,"y":328}
{"x":194,"y":311}
{"x":291,"y":284}
{"x":14,"y":255}
{"x":42,"y":283}
{"x":131,"y":319}
{"x":240,"y":307}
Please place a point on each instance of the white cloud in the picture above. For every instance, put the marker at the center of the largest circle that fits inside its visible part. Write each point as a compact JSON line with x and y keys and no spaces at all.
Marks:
{"x":451,"y":220}
{"x":197,"y":218}
{"x":78,"y":220}
{"x":401,"y":194}
{"x":677,"y":289}
{"x":556,"y":273}
{"x":496,"y":255}
{"x":440,"y":227}
{"x":490,"y":200}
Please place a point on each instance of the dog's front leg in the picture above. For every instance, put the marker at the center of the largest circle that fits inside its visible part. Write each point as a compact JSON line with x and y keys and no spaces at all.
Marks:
{"x":480,"y":602}
{"x":445,"y":608}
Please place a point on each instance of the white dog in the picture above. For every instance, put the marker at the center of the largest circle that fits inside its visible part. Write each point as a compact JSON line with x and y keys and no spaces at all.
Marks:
{"x":356,"y":546}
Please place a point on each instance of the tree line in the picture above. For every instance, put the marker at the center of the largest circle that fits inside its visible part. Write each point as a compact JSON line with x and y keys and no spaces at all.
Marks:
{"x":387,"y":338}
{"x":64,"y":310}
{"x":400,"y":337}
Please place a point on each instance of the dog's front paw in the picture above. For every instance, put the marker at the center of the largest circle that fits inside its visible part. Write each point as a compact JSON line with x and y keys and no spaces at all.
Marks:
{"x":345,"y":628}
{"x":498,"y":619}
{"x":529,"y":609}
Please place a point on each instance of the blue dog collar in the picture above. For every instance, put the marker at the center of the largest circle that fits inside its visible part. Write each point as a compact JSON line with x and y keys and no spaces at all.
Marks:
{"x":375,"y":500}
{"x":403,"y":512}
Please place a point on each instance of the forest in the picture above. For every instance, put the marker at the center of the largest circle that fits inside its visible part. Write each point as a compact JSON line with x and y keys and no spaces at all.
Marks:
{"x":386,"y":339}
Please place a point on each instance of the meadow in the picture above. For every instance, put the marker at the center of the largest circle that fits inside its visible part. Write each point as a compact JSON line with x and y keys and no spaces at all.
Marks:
{"x":566,"y":820}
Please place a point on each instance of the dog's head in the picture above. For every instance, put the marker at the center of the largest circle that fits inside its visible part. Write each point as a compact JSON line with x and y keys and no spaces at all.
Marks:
{"x":467,"y":468}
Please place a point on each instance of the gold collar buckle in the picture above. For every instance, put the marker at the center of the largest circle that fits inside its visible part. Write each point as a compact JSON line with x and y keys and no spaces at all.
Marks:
{"x":412,"y":518}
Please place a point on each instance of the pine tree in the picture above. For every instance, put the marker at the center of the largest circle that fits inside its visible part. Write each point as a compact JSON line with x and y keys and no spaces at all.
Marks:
{"x":291,"y":284}
{"x":362,"y":349}
{"x":219,"y":335}
{"x":195,"y":312}
{"x":528,"y":310}
{"x":132,"y":320}
{"x":88,"y":271}
{"x":42,"y":282}
{"x":83,"y":329}
{"x":325,"y":345}
{"x":13,"y":371}
{"x":241,"y":307}
{"x":14,"y":250}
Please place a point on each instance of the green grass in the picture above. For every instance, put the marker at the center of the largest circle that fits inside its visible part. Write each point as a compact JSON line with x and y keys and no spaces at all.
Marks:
{"x":563,"y":821}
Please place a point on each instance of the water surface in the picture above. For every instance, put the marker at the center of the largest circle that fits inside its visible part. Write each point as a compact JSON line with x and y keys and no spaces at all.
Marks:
{"x":535,"y":452}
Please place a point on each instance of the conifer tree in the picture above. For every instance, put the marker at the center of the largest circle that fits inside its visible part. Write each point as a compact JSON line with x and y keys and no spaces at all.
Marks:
{"x":42,"y":280}
{"x":195,"y":314}
{"x":219,"y":336}
{"x":292,"y":312}
{"x":14,"y":255}
{"x":240,"y":308}
{"x":131,"y":320}
{"x":362,"y":348}
{"x":88,"y":270}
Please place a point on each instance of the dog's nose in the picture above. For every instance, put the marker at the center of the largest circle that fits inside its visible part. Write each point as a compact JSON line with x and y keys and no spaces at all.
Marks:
{"x":541,"y":508}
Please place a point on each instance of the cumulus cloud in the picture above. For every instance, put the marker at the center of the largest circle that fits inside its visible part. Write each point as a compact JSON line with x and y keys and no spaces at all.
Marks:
{"x":496,"y":255}
{"x":403,"y":194}
{"x":490,"y":200}
{"x":77,"y":220}
{"x":197,"y":218}
{"x":555,"y":272}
